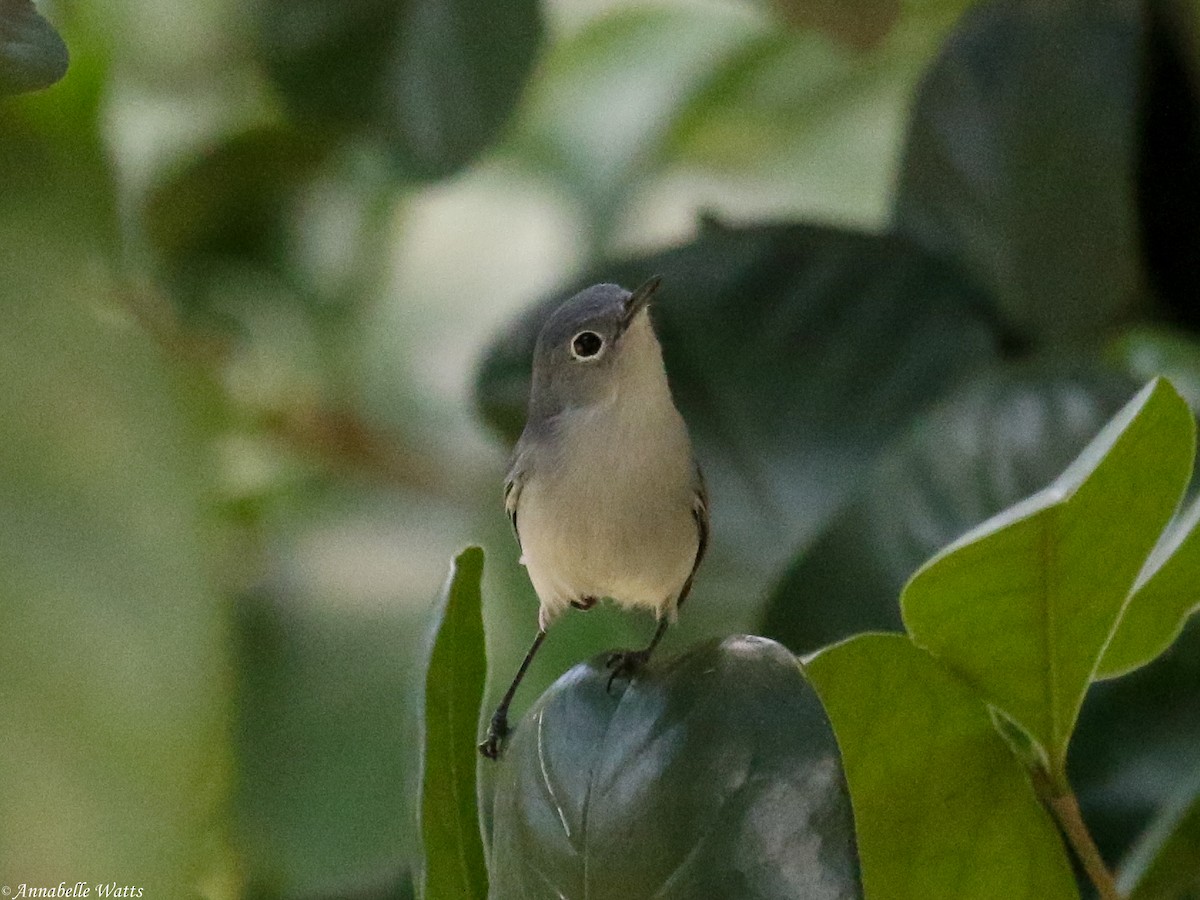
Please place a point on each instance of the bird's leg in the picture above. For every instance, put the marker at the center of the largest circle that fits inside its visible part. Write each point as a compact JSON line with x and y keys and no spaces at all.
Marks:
{"x":584,"y":603}
{"x":498,"y":728}
{"x":626,"y":663}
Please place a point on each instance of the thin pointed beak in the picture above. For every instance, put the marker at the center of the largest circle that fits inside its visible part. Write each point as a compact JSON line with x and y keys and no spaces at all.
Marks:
{"x":639,"y":299}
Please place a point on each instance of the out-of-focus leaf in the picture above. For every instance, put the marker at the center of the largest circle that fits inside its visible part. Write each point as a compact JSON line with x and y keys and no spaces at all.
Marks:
{"x":454,"y":864}
{"x":1023,"y":605}
{"x":115,"y":753}
{"x":433,"y":79}
{"x":1165,"y":864}
{"x":782,"y":124}
{"x":1135,"y":738}
{"x":998,"y":438}
{"x":1168,"y":177}
{"x":1166,"y":593}
{"x":942,"y":808}
{"x":1021,"y":158}
{"x":862,"y":24}
{"x":716,"y":775}
{"x":229,"y":205}
{"x":795,"y":354}
{"x":1146,"y":351}
{"x":327,"y":739}
{"x":32,"y":54}
{"x":603,"y":102}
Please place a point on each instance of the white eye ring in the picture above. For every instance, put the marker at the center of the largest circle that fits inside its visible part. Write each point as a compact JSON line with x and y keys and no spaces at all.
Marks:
{"x":587,"y":346}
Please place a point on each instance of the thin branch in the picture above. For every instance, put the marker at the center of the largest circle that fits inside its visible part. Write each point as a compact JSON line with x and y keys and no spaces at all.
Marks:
{"x":1065,"y":808}
{"x":335,"y":438}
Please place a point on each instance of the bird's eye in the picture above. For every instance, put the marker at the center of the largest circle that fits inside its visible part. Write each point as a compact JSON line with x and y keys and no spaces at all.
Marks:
{"x":586,"y":345}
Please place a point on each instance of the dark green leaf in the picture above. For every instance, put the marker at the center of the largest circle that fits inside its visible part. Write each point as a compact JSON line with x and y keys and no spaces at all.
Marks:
{"x":32,"y":55}
{"x":1024,"y":605}
{"x":1165,"y":865}
{"x":1021,"y":157}
{"x":998,"y":438}
{"x":795,"y":354}
{"x":714,"y":776}
{"x":230,"y":204}
{"x":943,"y":808}
{"x":433,"y":79}
{"x":454,"y":861}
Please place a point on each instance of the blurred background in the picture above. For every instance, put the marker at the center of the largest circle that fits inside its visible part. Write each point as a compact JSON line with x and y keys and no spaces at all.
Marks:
{"x":254,"y":259}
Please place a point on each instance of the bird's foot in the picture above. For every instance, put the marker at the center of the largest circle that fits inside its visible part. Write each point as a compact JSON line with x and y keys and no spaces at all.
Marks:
{"x":584,"y":603}
{"x":625,"y":664}
{"x":496,"y":733}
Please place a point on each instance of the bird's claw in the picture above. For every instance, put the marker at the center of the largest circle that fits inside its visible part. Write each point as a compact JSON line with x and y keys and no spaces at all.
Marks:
{"x":497,"y":731}
{"x":625,"y":664}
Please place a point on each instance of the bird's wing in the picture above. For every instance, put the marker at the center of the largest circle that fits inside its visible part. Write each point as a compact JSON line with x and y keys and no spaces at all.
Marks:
{"x":700,"y":514}
{"x":512,"y":493}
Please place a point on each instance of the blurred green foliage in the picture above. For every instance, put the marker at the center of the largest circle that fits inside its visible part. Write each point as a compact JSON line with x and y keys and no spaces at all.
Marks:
{"x":250,"y":255}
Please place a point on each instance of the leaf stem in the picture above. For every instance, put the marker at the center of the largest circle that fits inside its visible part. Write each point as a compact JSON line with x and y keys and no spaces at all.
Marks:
{"x":1060,"y":800}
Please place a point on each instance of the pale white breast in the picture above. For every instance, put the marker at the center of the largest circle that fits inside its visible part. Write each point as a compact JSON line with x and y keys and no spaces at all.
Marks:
{"x":612,"y":516}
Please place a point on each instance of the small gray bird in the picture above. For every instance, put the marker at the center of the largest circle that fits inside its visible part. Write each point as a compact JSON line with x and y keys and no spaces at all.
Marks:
{"x":604,"y":494}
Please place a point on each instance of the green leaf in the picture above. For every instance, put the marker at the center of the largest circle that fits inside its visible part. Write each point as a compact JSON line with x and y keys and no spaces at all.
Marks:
{"x":1167,"y":591}
{"x":454,"y":679}
{"x":1024,"y":605}
{"x":795,"y":354}
{"x":997,"y":438}
{"x":715,"y":775}
{"x":1165,"y":865}
{"x":434,"y":80}
{"x":1021,"y":159}
{"x":943,"y":809}
{"x":32,"y":54}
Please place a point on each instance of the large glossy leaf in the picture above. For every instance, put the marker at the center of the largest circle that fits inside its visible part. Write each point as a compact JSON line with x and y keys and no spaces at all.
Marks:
{"x":1021,"y":158}
{"x":454,"y":863}
{"x":1165,"y":865}
{"x":433,"y":79}
{"x":32,"y":55}
{"x":998,"y":438}
{"x":714,"y":775}
{"x":795,"y":354}
{"x":944,"y":810}
{"x":1024,"y":605}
